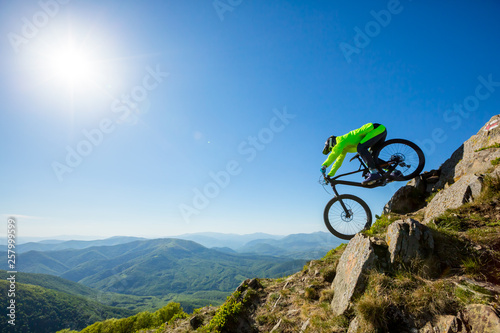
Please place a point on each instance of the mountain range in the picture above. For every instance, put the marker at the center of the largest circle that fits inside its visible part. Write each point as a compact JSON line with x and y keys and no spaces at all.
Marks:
{"x":296,"y":246}
{"x":154,"y":267}
{"x":55,"y":245}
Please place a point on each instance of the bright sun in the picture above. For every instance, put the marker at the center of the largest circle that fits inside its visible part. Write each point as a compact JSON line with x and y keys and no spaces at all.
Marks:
{"x":74,"y":66}
{"x":71,"y":65}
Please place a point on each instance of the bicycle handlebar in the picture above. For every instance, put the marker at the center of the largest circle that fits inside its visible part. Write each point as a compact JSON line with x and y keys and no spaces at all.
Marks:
{"x":327,"y":178}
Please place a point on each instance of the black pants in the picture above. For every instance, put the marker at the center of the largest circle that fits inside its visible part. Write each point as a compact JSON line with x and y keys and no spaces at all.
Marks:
{"x":374,"y":143}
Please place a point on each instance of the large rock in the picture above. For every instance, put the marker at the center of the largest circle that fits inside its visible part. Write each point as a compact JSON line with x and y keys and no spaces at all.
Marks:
{"x":466,"y":189}
{"x":407,"y":199}
{"x":405,"y":240}
{"x":476,"y":318}
{"x":481,"y":318}
{"x":471,"y":157}
{"x":408,"y":239}
{"x":448,"y":168}
{"x":358,"y":257}
{"x":411,"y":198}
{"x":444,"y":324}
{"x":354,"y":326}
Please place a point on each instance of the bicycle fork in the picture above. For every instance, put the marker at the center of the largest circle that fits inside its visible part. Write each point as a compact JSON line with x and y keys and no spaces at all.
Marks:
{"x":347,"y":211}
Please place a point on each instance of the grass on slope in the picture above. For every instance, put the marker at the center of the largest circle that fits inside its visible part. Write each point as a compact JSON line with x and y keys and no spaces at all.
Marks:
{"x":468,"y":238}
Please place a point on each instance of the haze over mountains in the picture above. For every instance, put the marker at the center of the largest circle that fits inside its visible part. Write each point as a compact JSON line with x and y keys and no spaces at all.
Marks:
{"x":55,"y":245}
{"x":296,"y":246}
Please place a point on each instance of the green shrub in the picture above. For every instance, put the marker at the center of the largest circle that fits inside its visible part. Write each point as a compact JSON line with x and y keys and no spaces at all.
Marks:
{"x":143,"y":320}
{"x":381,"y":224}
{"x":495,"y":145}
{"x":226,"y":313}
{"x":471,"y":266}
{"x":491,"y":188}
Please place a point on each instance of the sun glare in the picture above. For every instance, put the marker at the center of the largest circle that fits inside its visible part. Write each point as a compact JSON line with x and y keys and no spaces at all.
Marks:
{"x":71,"y":65}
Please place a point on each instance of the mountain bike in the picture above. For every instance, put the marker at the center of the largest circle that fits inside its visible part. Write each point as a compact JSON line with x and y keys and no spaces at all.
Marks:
{"x":397,"y":160}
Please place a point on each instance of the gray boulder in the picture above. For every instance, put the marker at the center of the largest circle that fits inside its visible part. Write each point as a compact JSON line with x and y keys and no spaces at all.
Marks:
{"x":358,"y":257}
{"x":466,"y":189}
{"x":444,"y":324}
{"x":481,"y":318}
{"x":465,"y":166}
{"x":473,"y":157}
{"x":407,"y":199}
{"x":476,"y":318}
{"x":354,"y":326}
{"x":408,"y":239}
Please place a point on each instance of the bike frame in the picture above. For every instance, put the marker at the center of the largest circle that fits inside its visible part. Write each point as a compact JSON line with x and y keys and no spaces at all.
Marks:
{"x":362,"y":168}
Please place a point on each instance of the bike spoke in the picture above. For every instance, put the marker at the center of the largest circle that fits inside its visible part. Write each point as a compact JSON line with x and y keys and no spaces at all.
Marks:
{"x":406,"y":153}
{"x":347,"y":225}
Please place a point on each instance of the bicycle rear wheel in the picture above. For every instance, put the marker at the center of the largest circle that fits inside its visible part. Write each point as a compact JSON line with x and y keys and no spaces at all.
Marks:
{"x":405,"y":155}
{"x":345,"y":223}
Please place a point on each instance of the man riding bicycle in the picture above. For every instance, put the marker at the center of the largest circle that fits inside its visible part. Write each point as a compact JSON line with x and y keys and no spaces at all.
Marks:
{"x":359,"y":140}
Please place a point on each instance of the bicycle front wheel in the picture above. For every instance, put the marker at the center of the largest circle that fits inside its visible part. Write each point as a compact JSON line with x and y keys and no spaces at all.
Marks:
{"x":405,"y":155}
{"x":346,"y":215}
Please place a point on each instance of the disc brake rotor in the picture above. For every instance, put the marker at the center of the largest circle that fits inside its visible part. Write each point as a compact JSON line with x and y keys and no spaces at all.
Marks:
{"x":347,"y":217}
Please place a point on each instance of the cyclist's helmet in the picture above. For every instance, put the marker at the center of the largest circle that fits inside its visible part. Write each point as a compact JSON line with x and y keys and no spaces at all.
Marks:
{"x":329,"y":144}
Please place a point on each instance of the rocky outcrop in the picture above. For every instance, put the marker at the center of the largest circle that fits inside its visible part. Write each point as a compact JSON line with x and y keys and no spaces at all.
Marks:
{"x":358,"y":257}
{"x":407,"y":240}
{"x":481,"y":318}
{"x":475,"y":318}
{"x":444,"y":324}
{"x":407,"y":199}
{"x":466,"y":189}
{"x":457,"y":181}
{"x":354,"y":326}
{"x":411,"y":197}
{"x":474,"y":156}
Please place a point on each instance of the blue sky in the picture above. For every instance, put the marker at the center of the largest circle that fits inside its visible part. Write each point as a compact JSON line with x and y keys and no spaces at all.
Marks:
{"x":158,"y":97}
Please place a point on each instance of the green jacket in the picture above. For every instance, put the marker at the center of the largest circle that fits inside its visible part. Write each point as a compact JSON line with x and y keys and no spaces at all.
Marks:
{"x":346,"y":143}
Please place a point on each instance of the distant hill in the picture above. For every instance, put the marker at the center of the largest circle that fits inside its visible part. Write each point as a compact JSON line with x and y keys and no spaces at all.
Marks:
{"x":298,"y":246}
{"x":155,"y":267}
{"x":42,"y":310}
{"x":52,"y":282}
{"x":130,"y":302}
{"x":233,"y":241}
{"x":295,"y":246}
{"x":56,"y":245}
